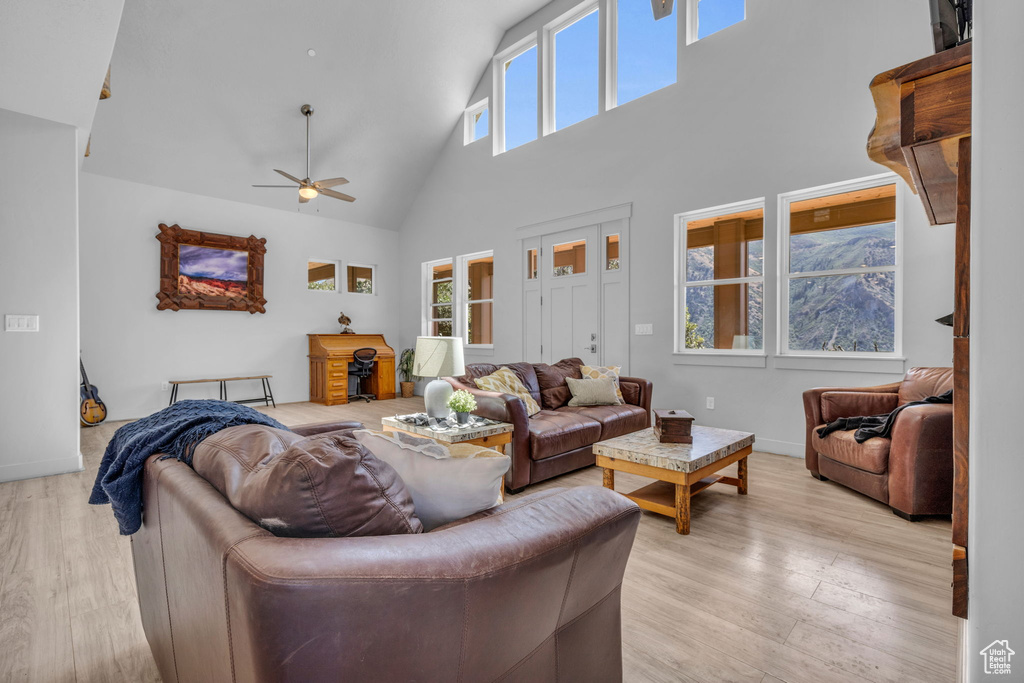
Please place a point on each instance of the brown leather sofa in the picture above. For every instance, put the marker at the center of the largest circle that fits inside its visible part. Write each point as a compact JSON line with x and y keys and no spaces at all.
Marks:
{"x":528,"y":591}
{"x":558,"y":439}
{"x":911,"y":472}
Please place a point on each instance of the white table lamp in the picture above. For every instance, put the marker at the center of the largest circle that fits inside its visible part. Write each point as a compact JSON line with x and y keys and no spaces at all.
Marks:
{"x":438,"y":357}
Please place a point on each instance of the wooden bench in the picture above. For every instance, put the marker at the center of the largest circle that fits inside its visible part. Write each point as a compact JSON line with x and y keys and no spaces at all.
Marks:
{"x":267,"y":398}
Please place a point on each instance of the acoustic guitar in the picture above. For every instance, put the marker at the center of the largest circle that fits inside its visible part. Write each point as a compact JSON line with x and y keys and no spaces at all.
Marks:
{"x":93,"y":411}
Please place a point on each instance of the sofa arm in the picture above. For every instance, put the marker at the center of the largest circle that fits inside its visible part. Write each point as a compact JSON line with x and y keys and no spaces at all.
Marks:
{"x":921,"y":460}
{"x":813,"y":414}
{"x":466,"y":603}
{"x":646,"y":389}
{"x":505,"y":408}
{"x":324,"y":427}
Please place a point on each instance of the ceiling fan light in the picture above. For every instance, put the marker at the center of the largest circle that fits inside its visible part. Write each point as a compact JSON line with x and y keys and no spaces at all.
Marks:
{"x":308,"y":192}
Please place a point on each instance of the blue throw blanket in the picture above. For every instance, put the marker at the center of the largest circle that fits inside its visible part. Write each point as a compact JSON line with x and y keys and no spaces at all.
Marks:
{"x":176,"y":431}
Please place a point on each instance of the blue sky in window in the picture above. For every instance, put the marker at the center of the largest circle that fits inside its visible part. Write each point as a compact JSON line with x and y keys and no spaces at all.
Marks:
{"x":480,"y":127}
{"x":647,"y":50}
{"x":521,"y":99}
{"x":576,"y":71}
{"x":714,"y":15}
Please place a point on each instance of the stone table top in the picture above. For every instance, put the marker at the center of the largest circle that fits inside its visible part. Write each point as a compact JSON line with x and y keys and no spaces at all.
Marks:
{"x":710,"y":444}
{"x":451,"y":435}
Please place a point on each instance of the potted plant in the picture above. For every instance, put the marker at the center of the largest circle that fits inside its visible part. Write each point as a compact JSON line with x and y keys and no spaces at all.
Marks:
{"x":463,"y":403}
{"x":405,"y":370}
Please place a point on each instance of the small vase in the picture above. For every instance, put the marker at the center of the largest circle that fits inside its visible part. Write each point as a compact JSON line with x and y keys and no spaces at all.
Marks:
{"x":463,"y":418}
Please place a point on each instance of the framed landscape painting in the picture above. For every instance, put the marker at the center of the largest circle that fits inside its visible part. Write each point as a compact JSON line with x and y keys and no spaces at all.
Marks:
{"x":202,"y":270}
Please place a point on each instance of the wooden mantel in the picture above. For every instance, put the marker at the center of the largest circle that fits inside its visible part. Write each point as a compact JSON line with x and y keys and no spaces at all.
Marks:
{"x":924,"y":110}
{"x":923,"y":132}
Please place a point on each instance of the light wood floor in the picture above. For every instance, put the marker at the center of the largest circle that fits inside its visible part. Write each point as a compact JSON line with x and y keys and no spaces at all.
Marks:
{"x":799,"y":581}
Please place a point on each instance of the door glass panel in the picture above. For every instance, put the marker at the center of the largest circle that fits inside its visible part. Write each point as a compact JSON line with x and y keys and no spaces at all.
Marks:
{"x":570,"y":258}
{"x":611,"y":252}
{"x":531,"y":264}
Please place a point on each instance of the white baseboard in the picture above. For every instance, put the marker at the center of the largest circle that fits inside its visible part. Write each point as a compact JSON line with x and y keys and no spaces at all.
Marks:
{"x":795,"y":450}
{"x":40,"y":468}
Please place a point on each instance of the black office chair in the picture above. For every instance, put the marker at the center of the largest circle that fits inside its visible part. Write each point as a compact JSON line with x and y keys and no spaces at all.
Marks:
{"x":361,"y":367}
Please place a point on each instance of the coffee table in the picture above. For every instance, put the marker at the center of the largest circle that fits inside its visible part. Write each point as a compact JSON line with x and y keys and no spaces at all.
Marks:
{"x":490,"y":436}
{"x":682,"y":470}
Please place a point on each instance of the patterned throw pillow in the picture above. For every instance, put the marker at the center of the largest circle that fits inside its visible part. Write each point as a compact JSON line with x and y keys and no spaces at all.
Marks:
{"x":505,"y":381}
{"x":592,"y":392}
{"x":611,"y":372}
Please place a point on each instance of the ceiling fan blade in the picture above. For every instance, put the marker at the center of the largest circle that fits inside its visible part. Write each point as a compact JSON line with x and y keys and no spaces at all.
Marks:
{"x":337,"y":195}
{"x":303,"y":200}
{"x":288,"y":176}
{"x":289,"y":187}
{"x":331,"y":182}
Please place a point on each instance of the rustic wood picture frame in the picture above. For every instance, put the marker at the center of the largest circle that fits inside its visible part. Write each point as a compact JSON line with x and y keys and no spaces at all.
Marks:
{"x":169,"y":297}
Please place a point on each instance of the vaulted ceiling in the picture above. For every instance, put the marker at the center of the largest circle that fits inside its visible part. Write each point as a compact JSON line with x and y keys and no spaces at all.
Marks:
{"x":206,"y":95}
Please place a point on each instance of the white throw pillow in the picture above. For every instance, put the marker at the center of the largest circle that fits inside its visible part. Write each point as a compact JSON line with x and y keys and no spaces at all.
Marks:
{"x":446,"y":484}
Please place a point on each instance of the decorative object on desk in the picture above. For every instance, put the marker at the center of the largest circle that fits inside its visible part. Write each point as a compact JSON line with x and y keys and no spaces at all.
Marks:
{"x":405,"y":362}
{"x":438,"y":357}
{"x":673,"y":426}
{"x":93,"y":411}
{"x":463,"y":403}
{"x":345,"y":321}
{"x":203,"y":270}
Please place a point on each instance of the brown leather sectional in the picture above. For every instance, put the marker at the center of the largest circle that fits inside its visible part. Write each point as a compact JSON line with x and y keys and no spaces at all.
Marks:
{"x":558,"y":439}
{"x":528,"y":591}
{"x":912,"y":472}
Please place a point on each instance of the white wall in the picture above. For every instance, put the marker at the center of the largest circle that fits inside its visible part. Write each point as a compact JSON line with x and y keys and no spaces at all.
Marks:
{"x":130,"y":347}
{"x":777,"y":103}
{"x":38,"y":275}
{"x":996,"y":538}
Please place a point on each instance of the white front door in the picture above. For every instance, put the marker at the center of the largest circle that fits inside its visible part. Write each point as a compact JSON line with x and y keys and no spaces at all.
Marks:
{"x":570,"y":295}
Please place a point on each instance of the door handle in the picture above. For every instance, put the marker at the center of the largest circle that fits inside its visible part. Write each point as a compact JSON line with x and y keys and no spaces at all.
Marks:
{"x":591,"y":347}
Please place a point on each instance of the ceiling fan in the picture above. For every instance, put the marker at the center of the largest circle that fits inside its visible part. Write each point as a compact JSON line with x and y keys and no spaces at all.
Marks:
{"x":310,"y":189}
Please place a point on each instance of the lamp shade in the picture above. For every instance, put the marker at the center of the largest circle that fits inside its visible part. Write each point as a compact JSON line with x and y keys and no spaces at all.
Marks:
{"x":438,"y":357}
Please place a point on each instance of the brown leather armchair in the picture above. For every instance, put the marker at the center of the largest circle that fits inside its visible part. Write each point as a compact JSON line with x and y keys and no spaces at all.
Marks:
{"x":528,"y":591}
{"x":911,"y":472}
{"x":559,"y":438}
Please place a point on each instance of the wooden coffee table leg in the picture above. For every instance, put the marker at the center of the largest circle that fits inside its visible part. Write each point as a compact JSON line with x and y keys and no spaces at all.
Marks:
{"x":609,"y":478}
{"x":682,"y":508}
{"x":741,"y":471}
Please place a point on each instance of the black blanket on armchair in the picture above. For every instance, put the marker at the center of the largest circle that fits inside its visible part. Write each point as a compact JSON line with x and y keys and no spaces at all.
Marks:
{"x":877,"y":425}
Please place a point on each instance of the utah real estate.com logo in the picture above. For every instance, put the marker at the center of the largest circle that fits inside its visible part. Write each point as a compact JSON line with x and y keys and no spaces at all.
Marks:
{"x":997,"y":657}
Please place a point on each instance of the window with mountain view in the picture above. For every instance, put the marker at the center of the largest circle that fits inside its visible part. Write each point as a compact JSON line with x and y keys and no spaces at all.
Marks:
{"x":842,"y":269}
{"x":721,"y":269}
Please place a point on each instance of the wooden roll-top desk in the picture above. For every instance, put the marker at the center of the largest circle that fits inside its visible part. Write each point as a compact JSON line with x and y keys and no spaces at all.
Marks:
{"x":329,"y":356}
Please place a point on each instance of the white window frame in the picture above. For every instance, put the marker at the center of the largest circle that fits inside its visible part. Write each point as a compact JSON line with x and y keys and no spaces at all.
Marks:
{"x":498,"y":79}
{"x":373,"y":278}
{"x":611,"y":57}
{"x":549,"y":65}
{"x":469,"y":122}
{"x":337,"y":275}
{"x":785,"y":277}
{"x":427,"y":307}
{"x":463,"y":301}
{"x":693,"y":20}
{"x":681,"y":219}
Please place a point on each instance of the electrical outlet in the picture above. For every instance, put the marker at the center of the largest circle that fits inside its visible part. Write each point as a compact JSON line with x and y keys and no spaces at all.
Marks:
{"x":711,"y":402}
{"x":644,"y":328}
{"x":165,"y":386}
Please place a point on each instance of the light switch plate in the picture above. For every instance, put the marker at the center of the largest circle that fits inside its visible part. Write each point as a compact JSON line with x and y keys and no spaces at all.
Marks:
{"x":21,"y":323}
{"x":644,"y":328}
